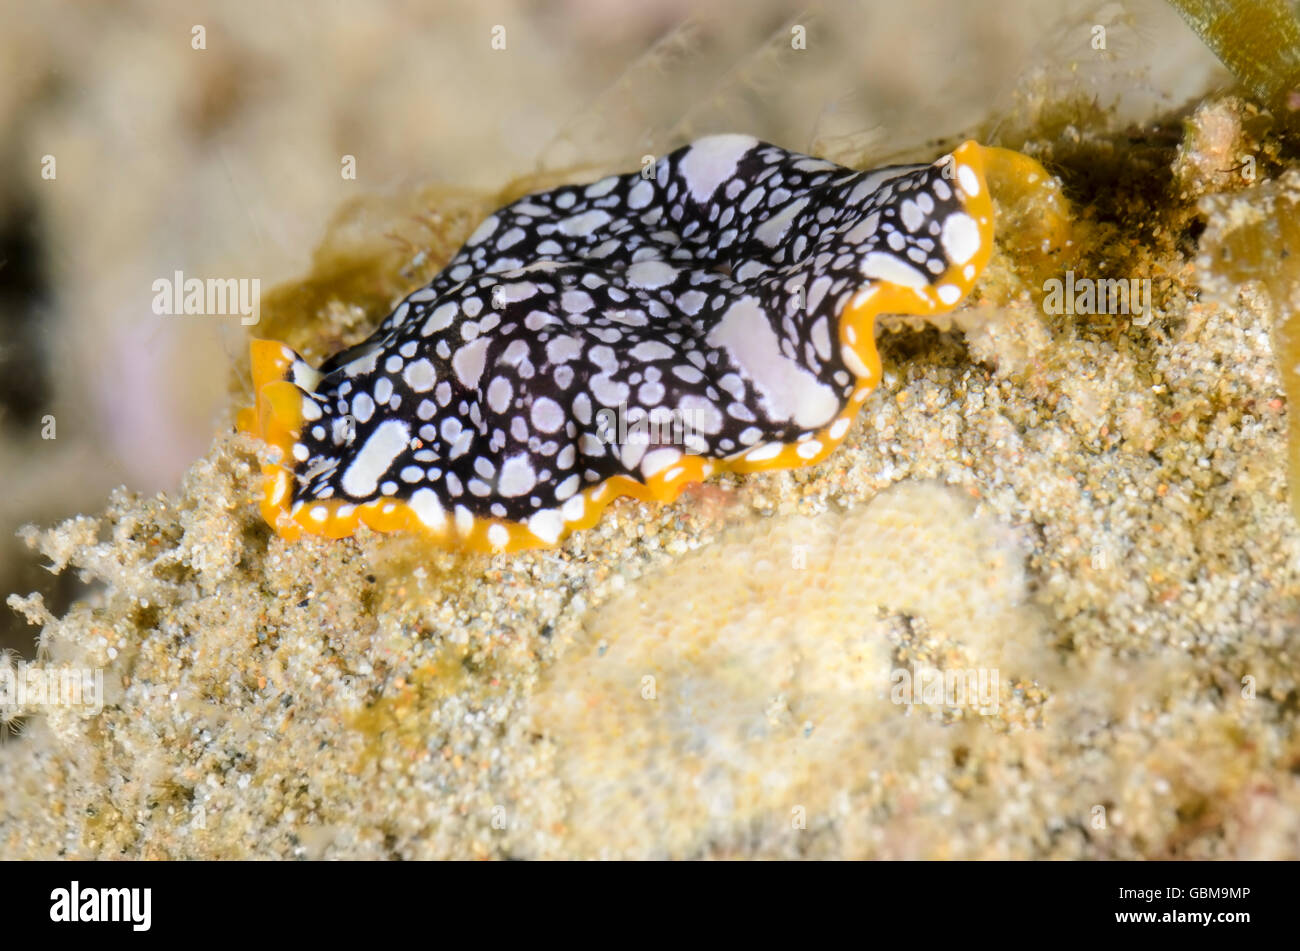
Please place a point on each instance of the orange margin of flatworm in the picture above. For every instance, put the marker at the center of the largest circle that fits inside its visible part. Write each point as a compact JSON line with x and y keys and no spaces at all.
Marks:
{"x":276,"y":416}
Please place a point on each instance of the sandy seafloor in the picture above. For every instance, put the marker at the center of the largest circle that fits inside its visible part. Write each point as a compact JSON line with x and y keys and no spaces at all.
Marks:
{"x":1095,"y":507}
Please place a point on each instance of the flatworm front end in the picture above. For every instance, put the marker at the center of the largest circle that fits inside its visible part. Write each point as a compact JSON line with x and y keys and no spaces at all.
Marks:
{"x":626,"y":337}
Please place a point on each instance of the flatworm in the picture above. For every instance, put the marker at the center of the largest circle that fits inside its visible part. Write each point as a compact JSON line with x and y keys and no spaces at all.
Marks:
{"x":626,"y":337}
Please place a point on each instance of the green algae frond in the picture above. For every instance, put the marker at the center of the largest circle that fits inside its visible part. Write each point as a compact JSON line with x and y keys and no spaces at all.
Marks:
{"x":1259,"y":41}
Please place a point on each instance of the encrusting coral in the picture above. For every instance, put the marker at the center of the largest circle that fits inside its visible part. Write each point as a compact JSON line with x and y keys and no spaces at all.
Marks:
{"x":1253,"y":237}
{"x":743,"y":686}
